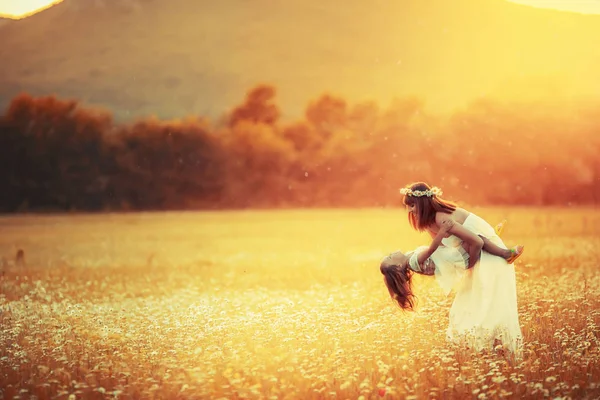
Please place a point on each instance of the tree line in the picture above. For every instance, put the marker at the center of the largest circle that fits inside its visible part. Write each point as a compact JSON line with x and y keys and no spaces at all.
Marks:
{"x":56,"y":155}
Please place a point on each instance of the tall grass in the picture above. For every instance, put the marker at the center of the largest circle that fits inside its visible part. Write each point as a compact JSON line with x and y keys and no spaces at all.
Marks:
{"x":278,"y":304}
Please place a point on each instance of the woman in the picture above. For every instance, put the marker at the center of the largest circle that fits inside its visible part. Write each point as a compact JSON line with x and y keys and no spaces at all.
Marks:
{"x":484,"y":310}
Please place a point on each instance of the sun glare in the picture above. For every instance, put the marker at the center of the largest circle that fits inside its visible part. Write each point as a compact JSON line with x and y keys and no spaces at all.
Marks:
{"x":24,"y":8}
{"x":579,"y":6}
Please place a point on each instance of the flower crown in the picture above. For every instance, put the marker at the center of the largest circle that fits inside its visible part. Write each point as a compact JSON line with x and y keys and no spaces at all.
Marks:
{"x":434,"y":191}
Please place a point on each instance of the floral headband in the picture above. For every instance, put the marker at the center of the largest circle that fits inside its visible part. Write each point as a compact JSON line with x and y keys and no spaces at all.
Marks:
{"x":434,"y":191}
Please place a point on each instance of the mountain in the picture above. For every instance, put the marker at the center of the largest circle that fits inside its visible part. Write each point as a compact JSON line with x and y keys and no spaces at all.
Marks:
{"x":4,"y":21}
{"x":180,"y":57}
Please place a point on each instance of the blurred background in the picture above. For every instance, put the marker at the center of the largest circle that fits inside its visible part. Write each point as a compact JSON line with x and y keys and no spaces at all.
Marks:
{"x":153,"y":105}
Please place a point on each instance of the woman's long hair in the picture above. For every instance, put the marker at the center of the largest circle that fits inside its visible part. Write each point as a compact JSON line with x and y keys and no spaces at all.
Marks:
{"x":398,"y":281}
{"x":425,"y":207}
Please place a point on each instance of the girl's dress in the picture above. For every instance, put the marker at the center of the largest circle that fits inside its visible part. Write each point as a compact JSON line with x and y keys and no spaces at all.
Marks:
{"x":448,"y":264}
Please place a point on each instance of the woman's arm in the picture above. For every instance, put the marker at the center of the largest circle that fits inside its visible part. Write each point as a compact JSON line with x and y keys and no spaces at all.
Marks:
{"x":475,"y":242}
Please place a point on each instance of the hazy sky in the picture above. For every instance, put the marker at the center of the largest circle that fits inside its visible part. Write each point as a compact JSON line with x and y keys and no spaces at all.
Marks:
{"x":17,"y":8}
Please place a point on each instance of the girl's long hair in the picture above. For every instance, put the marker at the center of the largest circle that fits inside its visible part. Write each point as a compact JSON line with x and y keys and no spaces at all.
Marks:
{"x":426,"y":207}
{"x":399,"y":284}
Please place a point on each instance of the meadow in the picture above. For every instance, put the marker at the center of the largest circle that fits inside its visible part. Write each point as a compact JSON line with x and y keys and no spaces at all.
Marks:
{"x":279,"y":305}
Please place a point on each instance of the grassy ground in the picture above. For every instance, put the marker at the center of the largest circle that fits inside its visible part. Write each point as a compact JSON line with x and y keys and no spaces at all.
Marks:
{"x":278,"y":304}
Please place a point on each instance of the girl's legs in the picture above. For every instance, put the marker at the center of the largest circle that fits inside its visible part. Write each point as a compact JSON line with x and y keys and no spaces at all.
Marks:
{"x":494,"y":249}
{"x":509,"y":255}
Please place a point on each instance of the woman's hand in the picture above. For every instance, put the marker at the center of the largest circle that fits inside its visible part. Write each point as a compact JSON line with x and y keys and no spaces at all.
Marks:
{"x":445,"y":226}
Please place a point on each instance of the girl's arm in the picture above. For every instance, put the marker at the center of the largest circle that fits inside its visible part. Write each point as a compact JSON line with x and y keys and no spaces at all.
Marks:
{"x":475,"y":242}
{"x":437,"y":240}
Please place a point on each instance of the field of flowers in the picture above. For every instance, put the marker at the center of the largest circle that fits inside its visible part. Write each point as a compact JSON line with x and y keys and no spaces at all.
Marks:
{"x":279,"y":305}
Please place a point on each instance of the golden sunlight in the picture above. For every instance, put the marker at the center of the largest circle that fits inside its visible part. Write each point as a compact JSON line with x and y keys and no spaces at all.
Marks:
{"x":579,"y":6}
{"x":24,"y":8}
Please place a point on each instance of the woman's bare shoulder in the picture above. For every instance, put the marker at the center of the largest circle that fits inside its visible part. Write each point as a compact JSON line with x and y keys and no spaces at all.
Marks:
{"x":459,"y":215}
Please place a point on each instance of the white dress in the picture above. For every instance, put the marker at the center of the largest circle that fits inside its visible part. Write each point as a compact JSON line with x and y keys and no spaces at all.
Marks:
{"x":485,"y":306}
{"x":448,"y":264}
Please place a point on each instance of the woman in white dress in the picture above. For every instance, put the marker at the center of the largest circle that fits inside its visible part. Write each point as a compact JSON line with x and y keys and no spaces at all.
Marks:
{"x":484,"y":312}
